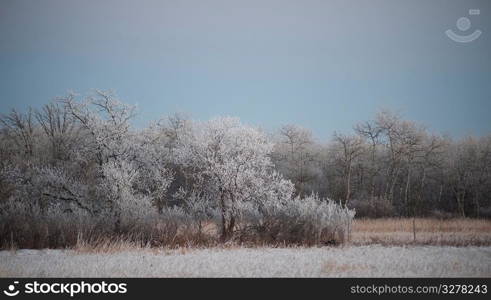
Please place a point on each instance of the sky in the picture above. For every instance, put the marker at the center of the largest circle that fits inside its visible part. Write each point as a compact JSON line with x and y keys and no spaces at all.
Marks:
{"x":321,"y":64}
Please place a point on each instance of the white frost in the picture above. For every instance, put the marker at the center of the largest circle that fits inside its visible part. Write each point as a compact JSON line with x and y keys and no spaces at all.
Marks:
{"x":362,"y":261}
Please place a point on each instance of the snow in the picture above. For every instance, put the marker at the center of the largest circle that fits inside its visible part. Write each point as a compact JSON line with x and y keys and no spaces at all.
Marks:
{"x":349,"y":261}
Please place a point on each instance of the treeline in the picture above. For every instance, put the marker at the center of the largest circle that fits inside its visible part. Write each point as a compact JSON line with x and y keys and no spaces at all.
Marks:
{"x":77,"y":170}
{"x":85,"y":156}
{"x":389,"y":166}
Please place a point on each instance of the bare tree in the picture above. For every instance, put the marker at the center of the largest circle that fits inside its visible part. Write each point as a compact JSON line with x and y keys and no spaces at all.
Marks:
{"x":371,"y":132}
{"x":296,"y":156}
{"x":21,"y":128}
{"x":351,"y":147}
{"x":59,"y":127}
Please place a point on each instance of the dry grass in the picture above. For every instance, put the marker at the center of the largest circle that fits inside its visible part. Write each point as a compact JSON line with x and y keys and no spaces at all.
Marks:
{"x":429,"y":231}
{"x":106,"y":245}
{"x":386,"y":232}
{"x":422,"y":224}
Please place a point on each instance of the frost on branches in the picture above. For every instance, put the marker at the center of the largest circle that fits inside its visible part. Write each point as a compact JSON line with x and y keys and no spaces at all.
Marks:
{"x":132,"y":170}
{"x":231,"y":164}
{"x":83,"y":159}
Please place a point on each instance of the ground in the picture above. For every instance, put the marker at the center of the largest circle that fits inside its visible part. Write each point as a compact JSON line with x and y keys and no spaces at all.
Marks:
{"x":377,"y":248}
{"x":350,"y":261}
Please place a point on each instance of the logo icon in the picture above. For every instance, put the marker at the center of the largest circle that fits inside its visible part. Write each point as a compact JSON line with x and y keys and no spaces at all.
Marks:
{"x":11,"y":290}
{"x":463,"y":24}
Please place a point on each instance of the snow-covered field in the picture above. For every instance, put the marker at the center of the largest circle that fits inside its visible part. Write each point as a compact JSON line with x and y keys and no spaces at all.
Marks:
{"x":351,"y":261}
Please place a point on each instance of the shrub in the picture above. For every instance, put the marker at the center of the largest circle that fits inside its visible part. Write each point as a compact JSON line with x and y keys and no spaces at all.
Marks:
{"x":307,"y":221}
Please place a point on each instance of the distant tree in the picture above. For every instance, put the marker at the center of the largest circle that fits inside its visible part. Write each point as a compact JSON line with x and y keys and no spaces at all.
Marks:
{"x":372,"y":133}
{"x":349,"y":149}
{"x":296,"y":157}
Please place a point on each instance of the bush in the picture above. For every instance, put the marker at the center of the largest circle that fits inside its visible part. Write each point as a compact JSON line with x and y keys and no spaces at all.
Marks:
{"x":30,"y":227}
{"x":304,"y":221}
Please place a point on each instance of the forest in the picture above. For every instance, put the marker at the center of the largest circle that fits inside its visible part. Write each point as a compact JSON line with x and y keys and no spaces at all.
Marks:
{"x":78,"y":169}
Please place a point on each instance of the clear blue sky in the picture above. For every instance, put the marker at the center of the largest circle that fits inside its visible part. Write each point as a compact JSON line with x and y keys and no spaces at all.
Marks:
{"x":321,"y":64}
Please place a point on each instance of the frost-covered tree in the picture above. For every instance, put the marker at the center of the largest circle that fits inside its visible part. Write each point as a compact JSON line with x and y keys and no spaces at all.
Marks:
{"x":79,"y":158}
{"x":230,"y":163}
{"x":132,"y":165}
{"x":107,"y":120}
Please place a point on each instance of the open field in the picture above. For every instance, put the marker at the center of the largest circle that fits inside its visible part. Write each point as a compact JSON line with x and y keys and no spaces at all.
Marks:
{"x":351,"y":261}
{"x":377,"y":248}
{"x":429,"y":231}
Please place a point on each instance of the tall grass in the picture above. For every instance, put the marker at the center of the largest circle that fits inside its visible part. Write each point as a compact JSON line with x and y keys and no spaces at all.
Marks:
{"x":424,"y":231}
{"x":306,"y":221}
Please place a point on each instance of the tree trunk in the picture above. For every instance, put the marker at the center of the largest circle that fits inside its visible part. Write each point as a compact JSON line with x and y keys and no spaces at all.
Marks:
{"x":223,"y":236}
{"x":421,"y":192}
{"x":348,"y":185}
{"x":440,"y":194}
{"x":231,"y":225}
{"x":414,"y":227}
{"x":392,"y":186}
{"x":406,"y":192}
{"x":460,"y":202}
{"x":476,"y":203}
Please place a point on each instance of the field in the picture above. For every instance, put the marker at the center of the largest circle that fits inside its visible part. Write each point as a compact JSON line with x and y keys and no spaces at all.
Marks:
{"x":435,"y":232}
{"x":377,"y":248}
{"x":357,"y":261}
